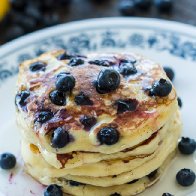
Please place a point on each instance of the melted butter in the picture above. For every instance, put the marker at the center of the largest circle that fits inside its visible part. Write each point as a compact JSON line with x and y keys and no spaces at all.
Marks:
{"x":34,"y":148}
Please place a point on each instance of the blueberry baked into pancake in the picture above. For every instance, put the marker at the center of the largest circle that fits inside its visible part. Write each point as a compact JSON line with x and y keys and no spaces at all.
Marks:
{"x":101,"y":124}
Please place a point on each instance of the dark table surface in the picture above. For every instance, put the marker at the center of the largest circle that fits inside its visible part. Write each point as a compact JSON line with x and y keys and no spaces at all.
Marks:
{"x":183,"y":11}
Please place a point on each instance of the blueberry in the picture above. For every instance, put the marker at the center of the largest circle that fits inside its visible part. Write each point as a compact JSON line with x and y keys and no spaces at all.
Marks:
{"x":167,"y":194}
{"x":108,"y":80}
{"x":187,"y":145}
{"x":127,"y":68}
{"x":99,"y":1}
{"x":115,"y":194}
{"x":152,"y":174}
{"x":179,"y":102}
{"x":34,"y":3}
{"x":60,"y":138}
{"x":65,"y":82}
{"x":23,"y":20}
{"x":18,"y":4}
{"x":33,"y":11}
{"x":185,"y":177}
{"x":74,"y":183}
{"x":126,"y":105}
{"x":37,"y":66}
{"x":76,"y":61}
{"x":127,"y":7}
{"x":161,"y":88}
{"x":48,"y":4}
{"x":64,"y":2}
{"x":51,"y":4}
{"x":44,"y":116}
{"x":50,"y":19}
{"x":104,"y":63}
{"x":129,"y":61}
{"x":53,"y":190}
{"x":58,"y":97}
{"x":88,"y":121}
{"x":164,"y":5}
{"x":143,"y":4}
{"x":7,"y":161}
{"x":108,"y":136}
{"x":169,"y":72}
{"x":82,"y":99}
{"x":133,"y":181}
{"x":21,"y":97}
{"x":28,"y":23}
{"x":14,"y":32}
{"x":64,"y":56}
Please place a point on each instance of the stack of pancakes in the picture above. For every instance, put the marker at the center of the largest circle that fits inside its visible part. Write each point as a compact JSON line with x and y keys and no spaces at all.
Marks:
{"x":146,"y":136}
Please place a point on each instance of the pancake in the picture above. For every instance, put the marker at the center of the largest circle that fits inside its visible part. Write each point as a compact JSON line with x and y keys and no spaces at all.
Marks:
{"x":131,"y":188}
{"x":133,"y":127}
{"x":76,"y":159}
{"x":90,"y":174}
{"x":89,"y":190}
{"x":100,"y":124}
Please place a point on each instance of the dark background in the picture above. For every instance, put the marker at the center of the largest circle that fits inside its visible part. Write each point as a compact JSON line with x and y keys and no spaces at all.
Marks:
{"x":183,"y":11}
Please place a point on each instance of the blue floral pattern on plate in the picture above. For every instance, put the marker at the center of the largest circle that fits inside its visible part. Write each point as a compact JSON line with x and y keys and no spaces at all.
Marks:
{"x":87,"y":41}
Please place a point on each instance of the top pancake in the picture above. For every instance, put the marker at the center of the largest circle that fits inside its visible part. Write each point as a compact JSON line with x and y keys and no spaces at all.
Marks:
{"x":133,"y":126}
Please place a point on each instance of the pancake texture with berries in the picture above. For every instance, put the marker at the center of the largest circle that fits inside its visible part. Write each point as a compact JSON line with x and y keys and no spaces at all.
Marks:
{"x":113,"y":166}
{"x":99,"y":121}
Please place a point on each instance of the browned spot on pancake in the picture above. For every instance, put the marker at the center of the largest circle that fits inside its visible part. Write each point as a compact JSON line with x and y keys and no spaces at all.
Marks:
{"x":34,"y":87}
{"x":160,"y":143}
{"x":147,"y":141}
{"x":126,"y":161}
{"x":135,"y":119}
{"x":150,"y":138}
{"x":143,"y":155}
{"x":34,"y":149}
{"x":63,"y":158}
{"x":61,"y":118}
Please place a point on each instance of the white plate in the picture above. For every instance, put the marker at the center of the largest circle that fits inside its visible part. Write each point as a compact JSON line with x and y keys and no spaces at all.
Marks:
{"x":169,"y":43}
